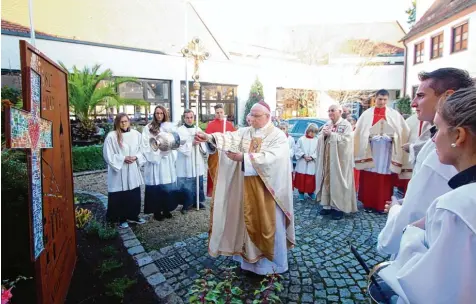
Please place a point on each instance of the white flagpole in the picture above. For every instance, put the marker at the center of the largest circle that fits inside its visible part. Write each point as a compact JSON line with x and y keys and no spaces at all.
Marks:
{"x":196,"y":155}
{"x":32,"y":26}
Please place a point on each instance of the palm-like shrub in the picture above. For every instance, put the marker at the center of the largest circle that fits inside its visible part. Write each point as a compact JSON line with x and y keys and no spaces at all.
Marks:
{"x":87,"y":89}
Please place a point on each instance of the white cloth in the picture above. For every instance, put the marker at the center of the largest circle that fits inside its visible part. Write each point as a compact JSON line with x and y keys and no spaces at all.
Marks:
{"x":160,"y":166}
{"x":306,"y":146}
{"x":122,"y":176}
{"x":381,"y":154}
{"x":429,"y":182}
{"x":438,"y":264}
{"x":292,"y":148}
{"x":417,"y":138}
{"x":186,"y":154}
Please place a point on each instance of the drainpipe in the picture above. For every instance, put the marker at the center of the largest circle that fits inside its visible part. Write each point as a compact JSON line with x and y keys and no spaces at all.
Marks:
{"x":405,"y":69}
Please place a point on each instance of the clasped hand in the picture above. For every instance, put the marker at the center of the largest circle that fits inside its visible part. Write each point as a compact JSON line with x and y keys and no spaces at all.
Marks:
{"x":326,"y":131}
{"x":307,"y":158}
{"x":130,"y":159}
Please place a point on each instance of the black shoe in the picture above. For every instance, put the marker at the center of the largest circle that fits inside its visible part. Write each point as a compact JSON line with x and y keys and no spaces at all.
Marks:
{"x":159,"y":217}
{"x":168,"y":215}
{"x":202,"y":206}
{"x":337,"y":215}
{"x":325,"y":211}
{"x":368,"y":210}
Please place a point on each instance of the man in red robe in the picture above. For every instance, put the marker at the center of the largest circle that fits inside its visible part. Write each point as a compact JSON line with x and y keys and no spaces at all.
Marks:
{"x":219,"y":124}
{"x":379,"y":156}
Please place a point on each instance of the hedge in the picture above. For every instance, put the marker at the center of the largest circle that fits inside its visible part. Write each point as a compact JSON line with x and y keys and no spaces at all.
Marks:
{"x":88,"y":158}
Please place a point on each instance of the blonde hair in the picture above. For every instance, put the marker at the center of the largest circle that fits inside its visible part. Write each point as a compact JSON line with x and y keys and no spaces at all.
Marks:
{"x":312,"y":128}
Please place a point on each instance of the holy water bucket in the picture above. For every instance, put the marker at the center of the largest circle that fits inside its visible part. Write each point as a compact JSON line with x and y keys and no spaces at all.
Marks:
{"x":379,"y":292}
{"x":166,"y":141}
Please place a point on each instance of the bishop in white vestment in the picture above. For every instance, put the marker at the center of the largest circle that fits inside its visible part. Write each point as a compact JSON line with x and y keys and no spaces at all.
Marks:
{"x":123,"y":157}
{"x":256,"y":223}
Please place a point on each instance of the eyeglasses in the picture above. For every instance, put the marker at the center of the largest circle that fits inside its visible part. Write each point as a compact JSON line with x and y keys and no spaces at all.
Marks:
{"x":331,"y":110}
{"x":256,"y":116}
{"x":159,"y":113}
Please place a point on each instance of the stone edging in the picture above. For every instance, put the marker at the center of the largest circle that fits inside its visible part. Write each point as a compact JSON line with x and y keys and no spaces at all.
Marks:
{"x":146,"y":263}
{"x":75,"y":174}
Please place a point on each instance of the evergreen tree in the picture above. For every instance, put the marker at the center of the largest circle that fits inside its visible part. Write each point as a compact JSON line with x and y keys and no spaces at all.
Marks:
{"x":256,"y":94}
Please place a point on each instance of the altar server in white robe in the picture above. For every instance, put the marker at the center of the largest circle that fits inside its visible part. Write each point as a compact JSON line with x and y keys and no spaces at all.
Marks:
{"x":252,"y":215}
{"x":335,"y":167}
{"x":306,"y":156}
{"x":419,"y":135}
{"x":430,"y":176}
{"x":187,"y":159}
{"x":379,"y":157}
{"x":292,"y":144}
{"x":159,"y":170}
{"x":436,"y":262}
{"x":123,"y":157}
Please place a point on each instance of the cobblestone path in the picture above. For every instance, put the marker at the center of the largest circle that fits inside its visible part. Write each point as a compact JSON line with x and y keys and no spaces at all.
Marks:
{"x":321,"y":267}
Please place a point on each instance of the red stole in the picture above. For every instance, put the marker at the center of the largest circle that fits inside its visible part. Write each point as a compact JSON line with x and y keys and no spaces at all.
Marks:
{"x":379,"y":113}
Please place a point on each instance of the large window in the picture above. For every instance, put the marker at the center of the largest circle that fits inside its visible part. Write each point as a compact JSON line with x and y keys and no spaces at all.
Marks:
{"x":414,"y":91}
{"x":459,"y":40}
{"x":437,"y":46}
{"x":209,"y":96}
{"x":295,"y":103}
{"x":419,"y":53}
{"x":156,"y":92}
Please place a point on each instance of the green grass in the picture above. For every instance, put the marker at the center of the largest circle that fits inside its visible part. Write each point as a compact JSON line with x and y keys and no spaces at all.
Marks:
{"x":108,"y":266}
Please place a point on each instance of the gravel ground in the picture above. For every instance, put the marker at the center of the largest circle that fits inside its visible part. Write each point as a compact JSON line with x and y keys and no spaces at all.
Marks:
{"x":154,"y":234}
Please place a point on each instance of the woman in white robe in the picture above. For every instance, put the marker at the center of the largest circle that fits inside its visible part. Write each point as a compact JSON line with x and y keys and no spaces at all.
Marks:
{"x":123,"y":157}
{"x":436,"y":262}
{"x":305,"y":171}
{"x":159,"y":170}
{"x":285,"y":127}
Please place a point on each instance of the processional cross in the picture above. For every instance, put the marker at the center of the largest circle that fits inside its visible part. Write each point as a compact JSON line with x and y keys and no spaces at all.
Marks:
{"x":27,"y":130}
{"x":195,"y":50}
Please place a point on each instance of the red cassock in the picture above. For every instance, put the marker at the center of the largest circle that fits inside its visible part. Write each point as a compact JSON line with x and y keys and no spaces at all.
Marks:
{"x":215,"y":126}
{"x":376,"y":189}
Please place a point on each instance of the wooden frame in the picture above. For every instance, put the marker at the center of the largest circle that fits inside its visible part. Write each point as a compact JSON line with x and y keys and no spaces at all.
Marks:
{"x":418,"y":52}
{"x":457,"y":33}
{"x":438,"y":41}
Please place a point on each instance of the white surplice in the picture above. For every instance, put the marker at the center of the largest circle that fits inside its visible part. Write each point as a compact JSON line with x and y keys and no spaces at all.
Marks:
{"x":306,"y":146}
{"x":292,"y":148}
{"x":438,"y":265}
{"x":419,"y":134}
{"x":160,"y":166}
{"x":122,"y":176}
{"x":430,"y":181}
{"x":186,"y":154}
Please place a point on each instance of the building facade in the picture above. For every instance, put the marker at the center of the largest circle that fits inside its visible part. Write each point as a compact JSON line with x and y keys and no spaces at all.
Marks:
{"x":444,"y":36}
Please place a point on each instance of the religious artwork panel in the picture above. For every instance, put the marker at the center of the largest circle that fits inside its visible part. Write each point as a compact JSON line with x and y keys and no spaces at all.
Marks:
{"x":43,"y":130}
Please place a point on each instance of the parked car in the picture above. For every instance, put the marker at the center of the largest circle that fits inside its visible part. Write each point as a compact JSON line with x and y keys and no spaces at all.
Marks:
{"x":297,"y":127}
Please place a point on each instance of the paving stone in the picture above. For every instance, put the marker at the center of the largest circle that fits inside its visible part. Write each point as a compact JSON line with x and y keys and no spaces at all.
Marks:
{"x":332,"y":290}
{"x":307,"y":298}
{"x":320,"y":294}
{"x":340,"y":283}
{"x":344,"y":293}
{"x":323,"y":274}
{"x":135,"y":250}
{"x":295,"y":288}
{"x":166,"y":250}
{"x":333,"y":298}
{"x":143,"y":259}
{"x":293,"y":297}
{"x":294,"y":273}
{"x":306,"y":282}
{"x":131,"y":243}
{"x":329,"y":282}
{"x":355,"y":289}
{"x":163,"y":290}
{"x":149,"y":270}
{"x":156,"y":279}
{"x":180,"y":244}
{"x":128,"y":236}
{"x":347,"y":301}
{"x":334,"y":275}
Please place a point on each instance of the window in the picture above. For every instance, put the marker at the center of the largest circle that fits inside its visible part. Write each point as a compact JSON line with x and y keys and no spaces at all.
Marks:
{"x":295,"y":102}
{"x":210,"y":95}
{"x":414,"y":90}
{"x":156,"y":92}
{"x":419,"y":53}
{"x":437,"y":46}
{"x":459,"y":41}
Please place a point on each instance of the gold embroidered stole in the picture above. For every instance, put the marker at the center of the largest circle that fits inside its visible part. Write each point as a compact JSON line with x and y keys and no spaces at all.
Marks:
{"x":259,"y":210}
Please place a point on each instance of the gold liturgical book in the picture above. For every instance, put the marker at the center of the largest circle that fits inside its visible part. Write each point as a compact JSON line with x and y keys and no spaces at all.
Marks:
{"x":382,"y":127}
